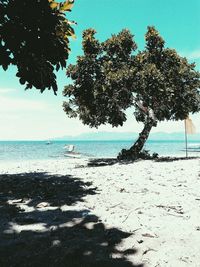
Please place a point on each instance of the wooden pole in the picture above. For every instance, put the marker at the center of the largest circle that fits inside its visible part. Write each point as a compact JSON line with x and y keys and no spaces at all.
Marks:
{"x":186,"y":141}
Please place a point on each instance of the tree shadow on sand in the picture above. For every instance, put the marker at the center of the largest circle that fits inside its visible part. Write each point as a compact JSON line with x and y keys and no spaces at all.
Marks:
{"x":33,"y":234}
{"x":99,"y":162}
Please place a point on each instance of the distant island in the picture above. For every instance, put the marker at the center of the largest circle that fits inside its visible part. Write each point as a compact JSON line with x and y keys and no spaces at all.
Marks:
{"x":127,"y":136}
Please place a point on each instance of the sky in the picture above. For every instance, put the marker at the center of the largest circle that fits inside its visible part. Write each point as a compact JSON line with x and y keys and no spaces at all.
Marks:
{"x":30,"y":115}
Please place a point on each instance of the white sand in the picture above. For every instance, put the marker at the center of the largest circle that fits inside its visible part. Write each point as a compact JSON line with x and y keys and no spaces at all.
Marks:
{"x":158,"y":202}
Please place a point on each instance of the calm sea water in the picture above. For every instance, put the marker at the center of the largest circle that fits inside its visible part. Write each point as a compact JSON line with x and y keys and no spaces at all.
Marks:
{"x":30,"y":150}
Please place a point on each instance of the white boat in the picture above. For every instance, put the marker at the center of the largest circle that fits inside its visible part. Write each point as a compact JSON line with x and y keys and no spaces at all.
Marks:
{"x":70,"y":152}
{"x":69,"y":148}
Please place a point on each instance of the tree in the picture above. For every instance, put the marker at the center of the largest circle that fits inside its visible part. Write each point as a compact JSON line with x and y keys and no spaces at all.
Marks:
{"x":34,"y":37}
{"x":109,"y":78}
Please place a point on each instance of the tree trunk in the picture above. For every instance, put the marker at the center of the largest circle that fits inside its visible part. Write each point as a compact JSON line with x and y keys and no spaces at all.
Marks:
{"x":143,"y":136}
{"x":134,"y":151}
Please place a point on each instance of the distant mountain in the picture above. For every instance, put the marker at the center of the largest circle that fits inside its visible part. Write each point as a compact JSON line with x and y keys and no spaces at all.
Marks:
{"x":127,"y":136}
{"x":173,"y":136}
{"x":100,"y":136}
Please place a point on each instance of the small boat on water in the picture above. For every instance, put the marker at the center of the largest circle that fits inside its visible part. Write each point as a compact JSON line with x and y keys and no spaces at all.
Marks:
{"x":194,"y":146}
{"x":69,"y":148}
{"x":48,"y":143}
{"x":70,"y":152}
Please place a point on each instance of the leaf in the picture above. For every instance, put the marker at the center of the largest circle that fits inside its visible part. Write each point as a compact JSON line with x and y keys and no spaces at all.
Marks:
{"x":57,"y":67}
{"x":67,"y":5}
{"x":54,"y":5}
{"x":22,"y":81}
{"x":5,"y":67}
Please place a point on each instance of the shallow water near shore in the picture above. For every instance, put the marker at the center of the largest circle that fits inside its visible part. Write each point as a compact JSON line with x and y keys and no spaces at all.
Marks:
{"x":31,"y":150}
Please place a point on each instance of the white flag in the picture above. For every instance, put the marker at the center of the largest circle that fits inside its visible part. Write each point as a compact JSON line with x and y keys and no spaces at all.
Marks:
{"x":189,"y":126}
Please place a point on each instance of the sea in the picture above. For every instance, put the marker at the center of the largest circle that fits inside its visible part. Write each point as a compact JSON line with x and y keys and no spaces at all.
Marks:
{"x":42,"y":150}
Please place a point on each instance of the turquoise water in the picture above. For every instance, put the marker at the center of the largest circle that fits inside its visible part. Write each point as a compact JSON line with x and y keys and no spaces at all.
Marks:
{"x":31,"y":150}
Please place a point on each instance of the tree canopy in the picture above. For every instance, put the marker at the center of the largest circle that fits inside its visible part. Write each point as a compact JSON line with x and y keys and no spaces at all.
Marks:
{"x":111,"y":77}
{"x":165,"y":82}
{"x":34,"y":37}
{"x":101,"y":79}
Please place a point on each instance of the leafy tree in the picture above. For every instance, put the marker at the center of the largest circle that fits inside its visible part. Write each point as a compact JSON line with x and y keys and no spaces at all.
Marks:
{"x":34,"y":37}
{"x":109,"y":78}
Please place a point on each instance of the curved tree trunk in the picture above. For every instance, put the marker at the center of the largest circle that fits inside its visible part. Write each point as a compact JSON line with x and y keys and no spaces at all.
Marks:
{"x":143,"y":136}
{"x":134,"y":151}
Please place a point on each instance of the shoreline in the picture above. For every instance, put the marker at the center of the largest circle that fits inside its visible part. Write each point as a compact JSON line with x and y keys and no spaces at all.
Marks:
{"x":62,"y":163}
{"x":157,"y":205}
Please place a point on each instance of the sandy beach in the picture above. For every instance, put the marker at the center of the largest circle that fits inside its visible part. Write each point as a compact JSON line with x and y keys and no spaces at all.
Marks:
{"x":68,"y":214}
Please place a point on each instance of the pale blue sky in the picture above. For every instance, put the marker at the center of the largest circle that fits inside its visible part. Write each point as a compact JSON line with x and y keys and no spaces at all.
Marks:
{"x":32,"y":115}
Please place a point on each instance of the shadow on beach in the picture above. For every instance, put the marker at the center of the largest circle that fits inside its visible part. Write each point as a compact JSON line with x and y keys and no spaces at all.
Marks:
{"x":35,"y":229}
{"x":111,"y":161}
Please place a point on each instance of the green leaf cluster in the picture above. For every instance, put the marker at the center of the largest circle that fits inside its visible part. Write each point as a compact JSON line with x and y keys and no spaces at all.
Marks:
{"x":101,"y":80}
{"x":34,"y":38}
{"x":112,"y":76}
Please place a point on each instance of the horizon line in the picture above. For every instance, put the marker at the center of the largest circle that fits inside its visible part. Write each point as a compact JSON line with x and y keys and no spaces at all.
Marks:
{"x":86,"y":140}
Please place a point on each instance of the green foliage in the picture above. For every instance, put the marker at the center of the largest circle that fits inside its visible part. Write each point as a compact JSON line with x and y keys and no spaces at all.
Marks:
{"x":34,"y":37}
{"x":166,"y":82}
{"x":102,"y":80}
{"x":109,"y":78}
